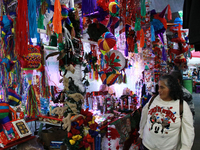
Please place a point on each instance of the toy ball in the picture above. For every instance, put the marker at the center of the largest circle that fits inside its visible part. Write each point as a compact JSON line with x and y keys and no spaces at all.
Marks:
{"x":107,"y":41}
{"x":113,"y":7}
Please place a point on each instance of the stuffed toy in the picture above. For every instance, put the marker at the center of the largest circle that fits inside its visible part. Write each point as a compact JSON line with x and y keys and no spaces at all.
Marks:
{"x":67,"y":121}
{"x":59,"y":111}
{"x":76,"y":96}
{"x":13,"y":99}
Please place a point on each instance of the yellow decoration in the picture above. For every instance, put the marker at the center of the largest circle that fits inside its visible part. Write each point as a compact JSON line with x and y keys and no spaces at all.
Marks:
{"x":103,"y":52}
{"x":76,"y":137}
{"x":93,"y":121}
{"x":72,"y":142}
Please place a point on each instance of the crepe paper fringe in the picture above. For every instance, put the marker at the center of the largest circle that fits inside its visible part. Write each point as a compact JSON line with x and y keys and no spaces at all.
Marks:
{"x":32,"y":104}
{"x":21,"y":31}
{"x":57,"y":17}
{"x":32,"y":18}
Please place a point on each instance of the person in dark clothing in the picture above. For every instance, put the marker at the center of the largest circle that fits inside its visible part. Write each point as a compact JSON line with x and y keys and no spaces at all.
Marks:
{"x":198,"y":74}
{"x":194,"y":73}
{"x":187,"y":96}
{"x":191,"y":21}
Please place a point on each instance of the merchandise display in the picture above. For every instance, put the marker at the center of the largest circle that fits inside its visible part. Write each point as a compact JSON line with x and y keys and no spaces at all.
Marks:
{"x":81,"y":71}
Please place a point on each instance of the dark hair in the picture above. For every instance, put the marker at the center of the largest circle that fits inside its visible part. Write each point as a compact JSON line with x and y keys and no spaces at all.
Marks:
{"x":177,"y":74}
{"x":175,"y":89}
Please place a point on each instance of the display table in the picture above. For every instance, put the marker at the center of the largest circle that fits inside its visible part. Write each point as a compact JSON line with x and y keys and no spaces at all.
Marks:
{"x":19,"y":141}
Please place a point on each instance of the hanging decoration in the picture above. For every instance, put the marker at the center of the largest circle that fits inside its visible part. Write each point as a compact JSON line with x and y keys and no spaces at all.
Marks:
{"x":160,"y":25}
{"x":32,"y":59}
{"x":114,"y":9}
{"x":21,"y":31}
{"x":114,"y":62}
{"x":107,"y":41}
{"x":32,"y":105}
{"x":32,"y":18}
{"x":57,"y":17}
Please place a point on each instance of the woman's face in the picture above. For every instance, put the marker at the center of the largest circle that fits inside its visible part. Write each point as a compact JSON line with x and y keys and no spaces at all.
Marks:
{"x":163,"y":91}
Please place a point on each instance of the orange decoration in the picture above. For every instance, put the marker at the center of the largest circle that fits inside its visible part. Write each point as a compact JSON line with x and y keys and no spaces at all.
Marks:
{"x":169,"y":13}
{"x":57,"y":17}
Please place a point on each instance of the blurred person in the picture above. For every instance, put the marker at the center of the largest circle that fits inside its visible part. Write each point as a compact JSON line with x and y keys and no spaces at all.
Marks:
{"x":187,"y":96}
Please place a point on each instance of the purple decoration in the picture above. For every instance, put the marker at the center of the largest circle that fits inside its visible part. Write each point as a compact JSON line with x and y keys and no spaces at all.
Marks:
{"x":162,"y":14}
{"x":88,"y":6}
{"x":102,"y":13}
{"x":164,"y":56}
{"x":99,"y":13}
{"x":126,"y":32}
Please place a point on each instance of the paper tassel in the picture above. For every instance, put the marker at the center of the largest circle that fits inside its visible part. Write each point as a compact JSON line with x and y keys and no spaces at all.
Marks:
{"x":164,"y":56}
{"x":32,"y":109}
{"x":142,"y":38}
{"x":21,"y":31}
{"x":152,"y":33}
{"x":40,"y":20}
{"x":179,"y":30}
{"x":138,"y":35}
{"x":126,"y":31}
{"x":137,"y":24}
{"x":32,"y":18}
{"x":143,"y":8}
{"x":169,"y":13}
{"x":57,"y":17}
{"x":136,"y":48}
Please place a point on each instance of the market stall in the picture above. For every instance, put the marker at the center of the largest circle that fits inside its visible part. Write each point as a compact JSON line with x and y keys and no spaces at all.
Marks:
{"x":81,"y":71}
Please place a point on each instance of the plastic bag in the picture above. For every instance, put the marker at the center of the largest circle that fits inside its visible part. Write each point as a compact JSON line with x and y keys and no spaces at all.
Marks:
{"x":30,"y":145}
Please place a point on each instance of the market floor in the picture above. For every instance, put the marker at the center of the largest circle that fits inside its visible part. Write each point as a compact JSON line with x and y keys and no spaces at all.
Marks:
{"x":196,"y":99}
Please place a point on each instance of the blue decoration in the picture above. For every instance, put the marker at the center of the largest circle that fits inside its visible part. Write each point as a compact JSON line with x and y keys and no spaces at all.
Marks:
{"x":152,"y":33}
{"x":32,"y":18}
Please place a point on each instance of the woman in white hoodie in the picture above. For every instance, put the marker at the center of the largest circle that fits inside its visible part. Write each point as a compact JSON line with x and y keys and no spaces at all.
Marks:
{"x":162,"y":127}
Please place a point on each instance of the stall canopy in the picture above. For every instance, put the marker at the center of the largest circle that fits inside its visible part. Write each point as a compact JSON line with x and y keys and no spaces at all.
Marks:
{"x":158,"y":5}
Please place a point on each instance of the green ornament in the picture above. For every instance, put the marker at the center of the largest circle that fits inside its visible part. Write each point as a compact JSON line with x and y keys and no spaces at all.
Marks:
{"x":143,"y":8}
{"x":137,"y":24}
{"x":136,"y":48}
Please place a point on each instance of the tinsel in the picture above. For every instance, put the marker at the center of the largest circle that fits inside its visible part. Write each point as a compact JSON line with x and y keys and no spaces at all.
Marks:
{"x":21,"y":31}
{"x":32,"y":18}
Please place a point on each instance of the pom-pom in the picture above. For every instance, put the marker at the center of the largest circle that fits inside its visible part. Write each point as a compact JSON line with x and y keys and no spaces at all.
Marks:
{"x":107,"y":41}
{"x":113,"y":8}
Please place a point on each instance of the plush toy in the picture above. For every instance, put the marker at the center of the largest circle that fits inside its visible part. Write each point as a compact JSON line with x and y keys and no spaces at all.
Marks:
{"x":76,"y":96}
{"x":67,"y":121}
{"x":59,"y":111}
